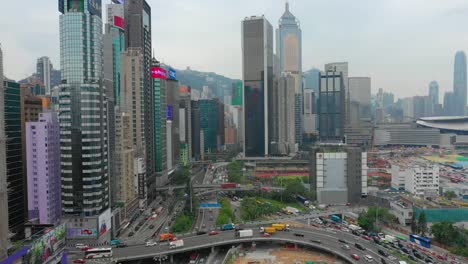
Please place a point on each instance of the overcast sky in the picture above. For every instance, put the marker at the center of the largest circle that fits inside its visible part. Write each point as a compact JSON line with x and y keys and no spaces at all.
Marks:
{"x":401,"y":44}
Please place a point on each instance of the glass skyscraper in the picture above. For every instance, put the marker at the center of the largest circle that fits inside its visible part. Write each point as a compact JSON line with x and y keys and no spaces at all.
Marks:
{"x":459,"y":83}
{"x":289,"y":50}
{"x":82,"y":110}
{"x":257,"y":74}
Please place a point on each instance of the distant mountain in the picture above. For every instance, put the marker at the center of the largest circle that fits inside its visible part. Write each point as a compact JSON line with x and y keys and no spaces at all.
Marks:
{"x":219,"y":85}
{"x":55,"y":76}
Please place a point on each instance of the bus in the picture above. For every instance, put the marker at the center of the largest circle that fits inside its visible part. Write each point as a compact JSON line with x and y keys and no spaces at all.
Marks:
{"x":98,"y":253}
{"x":423,"y":241}
{"x":401,"y":237}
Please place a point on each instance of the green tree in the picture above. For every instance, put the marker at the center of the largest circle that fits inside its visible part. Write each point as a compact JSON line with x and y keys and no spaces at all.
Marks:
{"x":182,"y":224}
{"x":234,"y":170}
{"x":449,"y":195}
{"x":422,"y":224}
{"x":414,"y":225}
{"x":292,"y":189}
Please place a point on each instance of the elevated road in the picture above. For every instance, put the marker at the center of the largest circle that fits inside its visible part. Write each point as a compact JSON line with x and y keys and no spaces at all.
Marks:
{"x":328,"y":242}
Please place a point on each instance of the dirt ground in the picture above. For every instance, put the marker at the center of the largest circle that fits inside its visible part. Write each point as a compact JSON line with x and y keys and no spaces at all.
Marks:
{"x":284,"y":256}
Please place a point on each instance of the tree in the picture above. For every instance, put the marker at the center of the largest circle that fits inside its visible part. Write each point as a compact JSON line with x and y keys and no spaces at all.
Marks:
{"x":449,"y":195}
{"x":422,"y":224}
{"x":292,"y":189}
{"x":414,"y":225}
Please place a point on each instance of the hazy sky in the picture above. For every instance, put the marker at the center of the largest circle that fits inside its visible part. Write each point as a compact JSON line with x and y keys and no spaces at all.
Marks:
{"x":401,"y":44}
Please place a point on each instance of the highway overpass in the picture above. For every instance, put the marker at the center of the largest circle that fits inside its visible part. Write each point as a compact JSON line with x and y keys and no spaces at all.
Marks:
{"x":328,"y":243}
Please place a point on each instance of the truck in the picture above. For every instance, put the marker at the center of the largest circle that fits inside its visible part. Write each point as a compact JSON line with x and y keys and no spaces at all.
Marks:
{"x":227,"y":227}
{"x":291,"y":210}
{"x":390,"y":239}
{"x":115,"y":242}
{"x":166,"y":237}
{"x":322,"y":206}
{"x":335,"y":218}
{"x":244,"y":233}
{"x":268,"y":229}
{"x":176,"y":244}
{"x":280,"y":227}
{"x":229,"y":185}
{"x":354,"y":227}
{"x":302,"y":200}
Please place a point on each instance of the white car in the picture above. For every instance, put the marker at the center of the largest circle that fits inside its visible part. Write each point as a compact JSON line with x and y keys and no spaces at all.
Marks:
{"x":369,"y":258}
{"x":80,"y":246}
{"x":151,"y":243}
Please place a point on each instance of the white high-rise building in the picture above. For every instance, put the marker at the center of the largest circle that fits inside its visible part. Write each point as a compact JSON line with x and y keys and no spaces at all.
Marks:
{"x":43,"y":70}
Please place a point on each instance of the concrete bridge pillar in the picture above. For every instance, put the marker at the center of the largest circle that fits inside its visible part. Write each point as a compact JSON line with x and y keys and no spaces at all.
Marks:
{"x":213,"y":250}
{"x":171,"y":258}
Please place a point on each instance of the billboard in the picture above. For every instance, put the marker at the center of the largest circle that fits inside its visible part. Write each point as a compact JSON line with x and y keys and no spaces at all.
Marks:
{"x":119,"y":22}
{"x":172,"y":74}
{"x":158,"y":73}
{"x":237,"y":93}
{"x":95,"y":7}
{"x":169,"y":112}
{"x":46,"y":246}
{"x":105,"y":222}
{"x":76,"y":232}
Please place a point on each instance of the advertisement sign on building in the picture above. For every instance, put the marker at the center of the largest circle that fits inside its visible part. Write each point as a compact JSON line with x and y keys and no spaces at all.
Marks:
{"x":119,"y":22}
{"x":169,"y":112}
{"x":105,"y":222}
{"x":158,"y":73}
{"x":46,"y":246}
{"x":172,"y":74}
{"x":82,"y":232}
{"x":237,"y":94}
{"x":95,"y":7}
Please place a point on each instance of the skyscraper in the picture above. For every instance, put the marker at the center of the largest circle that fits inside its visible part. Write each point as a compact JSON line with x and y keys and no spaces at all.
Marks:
{"x":138,"y":35}
{"x":434,"y":92}
{"x":3,"y":176}
{"x":257,"y":75}
{"x":449,"y":104}
{"x":284,"y":115}
{"x":160,"y":136}
{"x":331,"y":106}
{"x":358,"y":129}
{"x":459,"y":83}
{"x":289,"y":50}
{"x":43,"y":71}
{"x":43,"y":173}
{"x":17,"y":195}
{"x":83,"y":119}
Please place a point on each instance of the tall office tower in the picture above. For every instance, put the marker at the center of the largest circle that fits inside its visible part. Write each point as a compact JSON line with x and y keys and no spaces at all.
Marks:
{"x":43,"y":71}
{"x":83,"y":120}
{"x":159,"y":76}
{"x":4,"y":240}
{"x":172,"y":114}
{"x":195,"y":124}
{"x":289,"y":51}
{"x":114,"y":44}
{"x":124,"y":159}
{"x":237,"y":99}
{"x":359,"y":128}
{"x":422,"y":106}
{"x":343,"y":68}
{"x":185,"y":124}
{"x":31,"y":107}
{"x":449,"y":104}
{"x":43,"y":174}
{"x":460,"y":83}
{"x":310,"y":115}
{"x":257,"y":75}
{"x":16,"y":181}
{"x":209,"y":119}
{"x":434,"y":92}
{"x":331,"y":106}
{"x":131,"y":101}
{"x":407,"y":106}
{"x":220,"y":127}
{"x":138,"y":35}
{"x":284,"y":116}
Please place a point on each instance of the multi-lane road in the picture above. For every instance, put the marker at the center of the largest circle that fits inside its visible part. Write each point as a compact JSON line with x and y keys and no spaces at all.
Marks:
{"x":320,"y":239}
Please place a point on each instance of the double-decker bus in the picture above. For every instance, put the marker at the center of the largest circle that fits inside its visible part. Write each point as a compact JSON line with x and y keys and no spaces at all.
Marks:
{"x":423,"y":241}
{"x":98,"y":253}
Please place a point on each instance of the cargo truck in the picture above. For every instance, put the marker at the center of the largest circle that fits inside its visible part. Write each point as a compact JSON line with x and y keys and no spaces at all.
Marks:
{"x":244,"y":233}
{"x":166,"y":237}
{"x":176,"y":244}
{"x":227,"y":227}
{"x":230,"y":185}
{"x":281,"y":227}
{"x":335,"y":218}
{"x":268,"y":229}
{"x":390,"y":239}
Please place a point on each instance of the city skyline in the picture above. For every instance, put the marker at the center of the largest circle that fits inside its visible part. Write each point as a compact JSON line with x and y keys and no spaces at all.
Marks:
{"x":401,"y":45}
